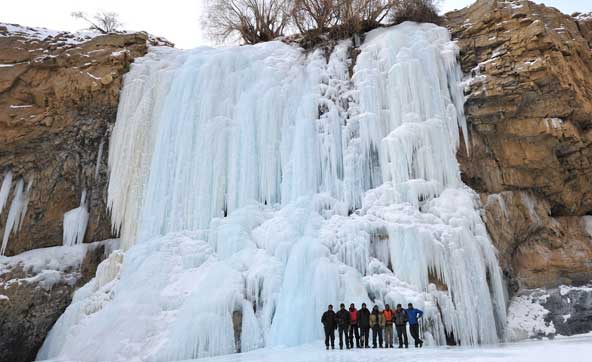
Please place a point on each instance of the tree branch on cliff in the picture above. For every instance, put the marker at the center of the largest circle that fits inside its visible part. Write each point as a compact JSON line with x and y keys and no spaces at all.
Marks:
{"x":253,"y":21}
{"x":105,"y":21}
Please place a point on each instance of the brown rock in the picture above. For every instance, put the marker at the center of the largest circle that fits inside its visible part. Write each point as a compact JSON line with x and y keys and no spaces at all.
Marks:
{"x":58,"y":102}
{"x":529,"y":107}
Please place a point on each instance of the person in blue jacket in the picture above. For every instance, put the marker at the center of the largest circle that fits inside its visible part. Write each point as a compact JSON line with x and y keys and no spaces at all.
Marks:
{"x":413,"y":315}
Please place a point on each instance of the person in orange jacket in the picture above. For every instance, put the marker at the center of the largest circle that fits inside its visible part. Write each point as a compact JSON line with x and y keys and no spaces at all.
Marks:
{"x":388,"y":326}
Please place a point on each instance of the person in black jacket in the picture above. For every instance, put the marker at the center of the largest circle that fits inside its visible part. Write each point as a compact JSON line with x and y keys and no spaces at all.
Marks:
{"x":329,"y":321}
{"x":364,"y":323}
{"x":342,"y":325}
{"x":401,"y":326}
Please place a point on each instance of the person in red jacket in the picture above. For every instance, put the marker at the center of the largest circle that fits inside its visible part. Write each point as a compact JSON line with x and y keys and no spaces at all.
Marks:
{"x":353,"y":327}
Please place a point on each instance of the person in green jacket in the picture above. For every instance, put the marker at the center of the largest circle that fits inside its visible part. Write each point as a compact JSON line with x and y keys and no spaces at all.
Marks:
{"x":377,"y":325}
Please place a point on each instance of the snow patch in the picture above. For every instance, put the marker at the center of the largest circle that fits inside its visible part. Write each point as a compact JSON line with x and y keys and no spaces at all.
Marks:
{"x":566,"y":289}
{"x":526,"y":318}
{"x":587,"y":221}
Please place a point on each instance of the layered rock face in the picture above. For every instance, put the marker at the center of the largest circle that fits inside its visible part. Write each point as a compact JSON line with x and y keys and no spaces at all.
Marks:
{"x":529,"y":107}
{"x":59,"y":94}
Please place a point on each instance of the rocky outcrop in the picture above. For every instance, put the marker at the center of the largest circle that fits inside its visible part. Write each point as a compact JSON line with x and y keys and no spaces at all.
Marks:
{"x":542,"y":313}
{"x":529,"y":108}
{"x":35,"y":289}
{"x":59,"y":94}
{"x":584,"y":22}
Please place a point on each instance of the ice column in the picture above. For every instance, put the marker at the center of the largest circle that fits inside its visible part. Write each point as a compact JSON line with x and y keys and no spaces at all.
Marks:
{"x":75,"y":222}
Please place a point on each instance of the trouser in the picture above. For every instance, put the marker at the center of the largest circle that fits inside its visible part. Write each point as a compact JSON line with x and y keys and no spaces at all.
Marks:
{"x":414,"y":329}
{"x":329,"y":337}
{"x":376,"y":331}
{"x":388,"y":335}
{"x":402,"y":335}
{"x":342,"y":330}
{"x":353,"y":329}
{"x":365,"y":336}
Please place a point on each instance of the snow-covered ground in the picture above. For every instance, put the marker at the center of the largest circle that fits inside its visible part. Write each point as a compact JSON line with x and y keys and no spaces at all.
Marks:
{"x":570,"y":349}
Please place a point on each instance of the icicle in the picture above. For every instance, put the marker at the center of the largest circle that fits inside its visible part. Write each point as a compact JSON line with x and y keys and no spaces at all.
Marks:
{"x":99,"y":157}
{"x":75,"y":222}
{"x":5,"y":189}
{"x":18,"y":210}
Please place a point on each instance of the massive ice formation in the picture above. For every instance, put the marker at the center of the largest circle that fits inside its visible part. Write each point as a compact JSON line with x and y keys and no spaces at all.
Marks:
{"x":255,"y":185}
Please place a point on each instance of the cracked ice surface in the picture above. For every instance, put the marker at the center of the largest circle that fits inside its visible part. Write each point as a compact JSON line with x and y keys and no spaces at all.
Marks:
{"x":265,"y":180}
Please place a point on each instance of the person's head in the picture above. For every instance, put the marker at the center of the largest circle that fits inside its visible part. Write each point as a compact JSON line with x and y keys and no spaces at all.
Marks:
{"x":330,"y":307}
{"x":375,"y":308}
{"x":410,"y":305}
{"x":342,"y":306}
{"x":399,"y":307}
{"x":387,"y":307}
{"x":364,"y":305}
{"x":352,"y":306}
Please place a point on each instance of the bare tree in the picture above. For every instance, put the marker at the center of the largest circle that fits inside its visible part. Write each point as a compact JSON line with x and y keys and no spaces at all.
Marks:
{"x":103,"y":21}
{"x":253,"y":21}
{"x":340,"y":18}
{"x":421,"y":11}
{"x":368,"y":12}
{"x":314,"y":15}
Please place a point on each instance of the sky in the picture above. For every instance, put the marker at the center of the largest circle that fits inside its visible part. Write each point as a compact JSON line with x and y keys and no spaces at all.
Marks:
{"x":176,"y":20}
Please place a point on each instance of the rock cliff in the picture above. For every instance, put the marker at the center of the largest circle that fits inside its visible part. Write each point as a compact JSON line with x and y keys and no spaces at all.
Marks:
{"x":58,"y":98}
{"x":529,"y":106}
{"x":59,"y":95}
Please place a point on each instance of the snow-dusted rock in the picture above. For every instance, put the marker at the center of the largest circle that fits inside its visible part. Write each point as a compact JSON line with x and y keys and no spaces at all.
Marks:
{"x":35,"y":288}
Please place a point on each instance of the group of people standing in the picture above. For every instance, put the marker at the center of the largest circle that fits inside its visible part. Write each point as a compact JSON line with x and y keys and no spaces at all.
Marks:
{"x":354,"y":323}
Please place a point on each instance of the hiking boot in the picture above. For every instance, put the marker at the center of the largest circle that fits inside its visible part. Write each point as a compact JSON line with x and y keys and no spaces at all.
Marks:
{"x":400,"y":346}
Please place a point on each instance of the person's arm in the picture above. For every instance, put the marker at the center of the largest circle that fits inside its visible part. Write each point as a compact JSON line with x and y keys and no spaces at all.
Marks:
{"x":323,"y":318}
{"x":420,"y":313}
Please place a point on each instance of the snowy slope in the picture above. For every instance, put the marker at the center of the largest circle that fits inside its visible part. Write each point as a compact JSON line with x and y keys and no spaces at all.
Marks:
{"x":265,"y":183}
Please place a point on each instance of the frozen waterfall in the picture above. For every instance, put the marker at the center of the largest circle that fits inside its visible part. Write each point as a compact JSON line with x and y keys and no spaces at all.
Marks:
{"x":252,"y":186}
